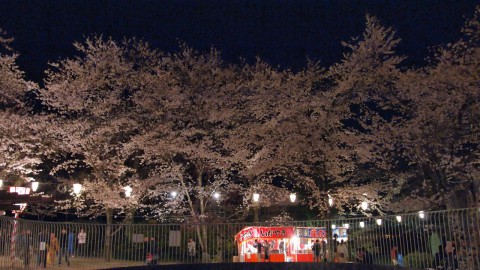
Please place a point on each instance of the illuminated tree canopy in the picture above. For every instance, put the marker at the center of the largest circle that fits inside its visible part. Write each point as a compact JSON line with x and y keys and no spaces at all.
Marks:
{"x":366,"y":129}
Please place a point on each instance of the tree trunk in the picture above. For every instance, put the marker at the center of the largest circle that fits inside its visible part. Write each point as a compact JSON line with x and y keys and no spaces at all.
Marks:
{"x":205,"y":255}
{"x":108,"y":234}
{"x":204,"y":231}
{"x":130,"y":213}
{"x":256,"y":210}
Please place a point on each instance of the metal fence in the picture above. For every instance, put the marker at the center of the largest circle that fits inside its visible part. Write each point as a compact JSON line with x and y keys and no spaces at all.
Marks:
{"x":448,"y":239}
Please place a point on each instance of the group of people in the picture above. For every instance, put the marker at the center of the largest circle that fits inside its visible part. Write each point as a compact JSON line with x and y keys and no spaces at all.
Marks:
{"x":262,"y":249}
{"x":51,"y":249}
{"x":319,"y":250}
{"x":340,"y":251}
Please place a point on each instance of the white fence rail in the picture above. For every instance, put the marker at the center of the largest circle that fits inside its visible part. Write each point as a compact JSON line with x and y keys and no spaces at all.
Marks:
{"x":448,"y":239}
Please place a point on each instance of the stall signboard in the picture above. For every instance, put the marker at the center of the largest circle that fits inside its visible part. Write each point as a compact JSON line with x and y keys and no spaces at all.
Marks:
{"x":264,"y":233}
{"x":311,"y":232}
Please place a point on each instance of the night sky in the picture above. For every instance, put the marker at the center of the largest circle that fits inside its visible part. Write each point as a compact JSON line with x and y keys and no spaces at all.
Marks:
{"x":282,"y":32}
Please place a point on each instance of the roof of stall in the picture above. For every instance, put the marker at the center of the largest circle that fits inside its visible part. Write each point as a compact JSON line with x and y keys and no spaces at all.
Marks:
{"x":264,"y":233}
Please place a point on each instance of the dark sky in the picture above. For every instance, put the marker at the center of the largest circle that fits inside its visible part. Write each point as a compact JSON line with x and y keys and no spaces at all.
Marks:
{"x":282,"y":32}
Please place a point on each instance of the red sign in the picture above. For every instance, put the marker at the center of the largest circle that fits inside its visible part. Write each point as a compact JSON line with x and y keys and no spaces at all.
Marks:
{"x":264,"y":233}
{"x":311,"y":232}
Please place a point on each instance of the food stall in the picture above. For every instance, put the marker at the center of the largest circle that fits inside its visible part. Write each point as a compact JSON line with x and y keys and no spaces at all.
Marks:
{"x":287,"y":244}
{"x":305,"y":238}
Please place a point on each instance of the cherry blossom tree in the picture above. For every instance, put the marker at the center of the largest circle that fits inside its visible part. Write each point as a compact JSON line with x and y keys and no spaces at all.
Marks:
{"x":402,"y":140}
{"x":19,"y":130}
{"x":214,"y":134}
{"x":441,"y":140}
{"x":91,"y":97}
{"x":360,"y":130}
{"x":343,"y":120}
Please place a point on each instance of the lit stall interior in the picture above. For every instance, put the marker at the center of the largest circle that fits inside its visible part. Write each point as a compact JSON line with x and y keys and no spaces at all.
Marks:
{"x":286,"y":244}
{"x":279,"y":240}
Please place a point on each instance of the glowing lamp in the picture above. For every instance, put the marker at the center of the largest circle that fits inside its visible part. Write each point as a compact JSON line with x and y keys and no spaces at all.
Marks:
{"x":256,"y":197}
{"x":399,"y":218}
{"x":216,"y":195}
{"x":174,"y":194}
{"x":364,"y":205}
{"x":379,"y":222}
{"x":128,"y":191}
{"x":421,"y":214}
{"x":35,"y":185}
{"x":77,"y":188}
{"x":293,"y":197}
{"x":362,"y":224}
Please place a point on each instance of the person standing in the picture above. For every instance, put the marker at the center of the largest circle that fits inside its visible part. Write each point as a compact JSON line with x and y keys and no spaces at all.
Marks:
{"x":154,"y":250}
{"x":394,"y":255}
{"x":266,"y":249}
{"x":316,"y":251}
{"x":335,"y":250}
{"x":281,"y":247}
{"x":82,"y":240}
{"x":258,"y":245}
{"x":324,"y":250}
{"x":192,"y":250}
{"x":342,"y":251}
{"x":71,"y":240}
{"x":52,"y":249}
{"x":63,"y":242}
{"x":451,"y":255}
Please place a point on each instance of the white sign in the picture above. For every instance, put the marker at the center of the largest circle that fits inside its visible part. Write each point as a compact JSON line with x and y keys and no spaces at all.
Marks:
{"x":174,"y":239}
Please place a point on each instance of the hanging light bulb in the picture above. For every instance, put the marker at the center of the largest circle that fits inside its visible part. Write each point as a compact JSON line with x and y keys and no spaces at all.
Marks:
{"x":35,"y":185}
{"x":362,"y":224}
{"x":128,"y":191}
{"x":293,"y":197}
{"x":364,"y":205}
{"x":379,"y":222}
{"x":330,"y":200}
{"x":399,"y":218}
{"x":256,"y":197}
{"x":174,"y":194}
{"x":216,"y":195}
{"x":421,"y":214}
{"x":77,"y":188}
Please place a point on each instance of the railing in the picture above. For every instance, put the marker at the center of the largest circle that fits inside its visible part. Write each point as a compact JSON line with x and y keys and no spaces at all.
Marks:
{"x":441,"y":238}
